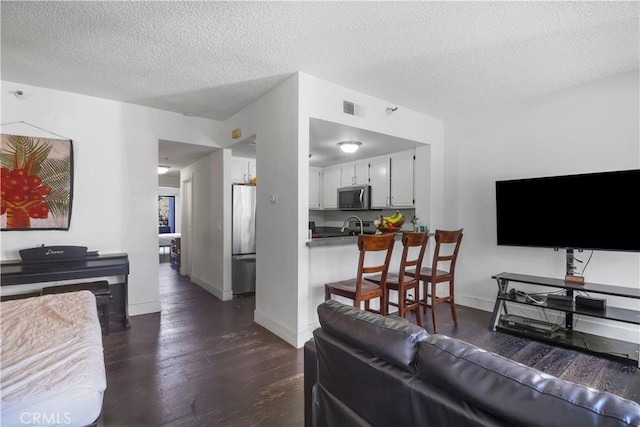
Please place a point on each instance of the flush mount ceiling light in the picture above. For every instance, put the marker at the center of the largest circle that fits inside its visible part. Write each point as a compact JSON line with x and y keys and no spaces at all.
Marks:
{"x":349,"y":146}
{"x":162,"y":170}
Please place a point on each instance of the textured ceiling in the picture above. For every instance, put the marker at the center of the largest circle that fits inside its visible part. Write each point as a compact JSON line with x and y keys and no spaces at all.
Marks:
{"x":213,"y":58}
{"x":440,"y":58}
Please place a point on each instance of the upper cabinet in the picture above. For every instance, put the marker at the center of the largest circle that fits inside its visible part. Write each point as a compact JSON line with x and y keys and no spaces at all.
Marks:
{"x":391,"y":179}
{"x":379,"y":176}
{"x":402,"y":180}
{"x":356,"y":173}
{"x":242,"y":170}
{"x":315,"y":188}
{"x":331,"y":183}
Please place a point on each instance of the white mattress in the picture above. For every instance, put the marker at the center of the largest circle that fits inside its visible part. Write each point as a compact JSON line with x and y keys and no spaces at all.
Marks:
{"x":165,"y":238}
{"x":52,"y":369}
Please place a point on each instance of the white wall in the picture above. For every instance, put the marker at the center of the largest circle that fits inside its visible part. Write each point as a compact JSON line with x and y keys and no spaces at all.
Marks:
{"x":324,"y":100}
{"x":210,"y":249}
{"x":169,"y":181}
{"x":280,"y":120}
{"x":589,"y":128}
{"x":115,"y":205}
{"x":274,"y":120}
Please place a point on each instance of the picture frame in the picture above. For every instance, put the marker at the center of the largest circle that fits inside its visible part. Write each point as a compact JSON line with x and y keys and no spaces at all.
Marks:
{"x":37,"y":183}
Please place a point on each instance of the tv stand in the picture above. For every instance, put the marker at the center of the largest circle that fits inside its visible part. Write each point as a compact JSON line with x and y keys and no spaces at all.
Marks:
{"x":566,"y":336}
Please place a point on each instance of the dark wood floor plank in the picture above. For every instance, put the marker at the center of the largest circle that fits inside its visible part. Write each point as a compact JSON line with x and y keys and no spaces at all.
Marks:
{"x":614,"y":377}
{"x":531,"y":353}
{"x":556,"y":361}
{"x":632,"y":391}
{"x":584,"y":369}
{"x":205,"y":362}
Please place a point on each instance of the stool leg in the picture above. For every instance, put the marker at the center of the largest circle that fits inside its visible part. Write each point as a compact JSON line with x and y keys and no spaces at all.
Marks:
{"x":452,"y":301}
{"x":434,"y":301}
{"x":105,"y":317}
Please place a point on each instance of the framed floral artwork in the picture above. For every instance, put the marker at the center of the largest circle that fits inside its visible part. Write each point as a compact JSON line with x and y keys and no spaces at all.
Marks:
{"x":37,"y":183}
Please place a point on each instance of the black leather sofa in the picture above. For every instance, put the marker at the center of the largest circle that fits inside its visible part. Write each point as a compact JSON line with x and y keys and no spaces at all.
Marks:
{"x":364,"y":369}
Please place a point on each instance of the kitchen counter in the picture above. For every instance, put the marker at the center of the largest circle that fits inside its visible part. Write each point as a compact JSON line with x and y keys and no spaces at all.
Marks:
{"x":338,"y":240}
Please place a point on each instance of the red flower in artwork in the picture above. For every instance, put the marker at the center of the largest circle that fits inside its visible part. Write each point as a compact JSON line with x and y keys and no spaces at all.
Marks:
{"x":23,"y":196}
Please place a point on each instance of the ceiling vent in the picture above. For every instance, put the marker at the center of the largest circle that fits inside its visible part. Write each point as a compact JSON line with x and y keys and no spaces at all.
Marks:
{"x":349,"y":107}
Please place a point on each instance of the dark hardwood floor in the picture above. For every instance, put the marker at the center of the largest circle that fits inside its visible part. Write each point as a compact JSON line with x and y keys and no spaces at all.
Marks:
{"x":204,"y":362}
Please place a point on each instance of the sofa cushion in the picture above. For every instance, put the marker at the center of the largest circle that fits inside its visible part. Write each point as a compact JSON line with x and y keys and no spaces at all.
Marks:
{"x":514,"y":392}
{"x":391,"y":339}
{"x":367,"y":386}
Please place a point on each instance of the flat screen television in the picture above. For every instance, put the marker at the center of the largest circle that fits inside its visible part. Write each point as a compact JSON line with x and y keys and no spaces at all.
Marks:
{"x":596,"y":211}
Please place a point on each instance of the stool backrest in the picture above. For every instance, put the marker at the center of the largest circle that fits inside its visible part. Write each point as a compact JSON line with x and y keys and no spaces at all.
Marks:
{"x":447,"y":247}
{"x":368,"y":243}
{"x":412,"y":240}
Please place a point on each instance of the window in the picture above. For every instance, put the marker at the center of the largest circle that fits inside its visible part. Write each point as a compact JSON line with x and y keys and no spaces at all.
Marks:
{"x":166,"y":214}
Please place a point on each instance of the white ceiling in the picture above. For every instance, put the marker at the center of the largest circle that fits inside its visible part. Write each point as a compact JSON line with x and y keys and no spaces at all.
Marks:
{"x":177,"y":155}
{"x":443,"y":58}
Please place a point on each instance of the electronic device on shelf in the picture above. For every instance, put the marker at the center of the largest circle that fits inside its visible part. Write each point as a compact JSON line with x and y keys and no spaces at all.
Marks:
{"x":528,"y":325}
{"x":559,"y":300}
{"x":595,"y":304}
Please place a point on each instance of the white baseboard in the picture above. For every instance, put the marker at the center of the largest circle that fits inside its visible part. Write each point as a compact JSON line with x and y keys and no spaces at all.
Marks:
{"x":212,"y":289}
{"x":144,"y":308}
{"x":297,"y":340}
{"x":475,"y":302}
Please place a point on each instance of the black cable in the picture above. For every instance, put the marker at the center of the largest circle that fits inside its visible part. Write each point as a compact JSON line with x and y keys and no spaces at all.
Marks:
{"x":585,"y":264}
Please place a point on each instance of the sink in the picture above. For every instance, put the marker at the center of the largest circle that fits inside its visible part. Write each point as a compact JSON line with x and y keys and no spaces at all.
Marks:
{"x":324,"y":232}
{"x":346,"y":233}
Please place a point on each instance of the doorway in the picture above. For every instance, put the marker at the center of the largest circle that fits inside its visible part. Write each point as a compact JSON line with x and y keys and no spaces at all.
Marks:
{"x":187,"y":227}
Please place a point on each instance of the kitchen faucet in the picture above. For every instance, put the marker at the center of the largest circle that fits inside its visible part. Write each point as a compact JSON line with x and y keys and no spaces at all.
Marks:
{"x":346,"y":221}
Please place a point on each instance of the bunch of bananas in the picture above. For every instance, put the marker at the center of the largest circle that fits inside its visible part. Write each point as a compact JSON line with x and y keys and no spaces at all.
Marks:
{"x":394,"y":221}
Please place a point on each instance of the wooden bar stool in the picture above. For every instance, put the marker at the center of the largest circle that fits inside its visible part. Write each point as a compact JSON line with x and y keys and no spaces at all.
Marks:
{"x":360,"y":288}
{"x":446,"y":251}
{"x":403,"y":283}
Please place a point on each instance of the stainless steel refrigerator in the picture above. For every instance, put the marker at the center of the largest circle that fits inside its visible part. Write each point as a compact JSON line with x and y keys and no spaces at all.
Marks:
{"x":243,"y":259}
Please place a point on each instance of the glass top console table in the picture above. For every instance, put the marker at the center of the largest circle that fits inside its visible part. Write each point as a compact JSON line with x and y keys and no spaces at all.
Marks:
{"x":565,"y":335}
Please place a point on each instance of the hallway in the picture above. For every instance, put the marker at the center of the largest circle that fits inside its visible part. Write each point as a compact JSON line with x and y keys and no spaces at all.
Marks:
{"x":200,"y":362}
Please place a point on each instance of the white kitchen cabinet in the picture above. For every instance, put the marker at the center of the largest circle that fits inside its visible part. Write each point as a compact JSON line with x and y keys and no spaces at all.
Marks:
{"x":315,"y":188}
{"x":356,"y":173}
{"x":379,"y":180}
{"x":402,"y":180}
{"x":391,"y":179}
{"x":242,"y":170}
{"x":330,"y":183}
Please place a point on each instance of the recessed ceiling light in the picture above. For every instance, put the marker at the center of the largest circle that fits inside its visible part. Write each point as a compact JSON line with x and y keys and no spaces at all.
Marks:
{"x":163,"y":169}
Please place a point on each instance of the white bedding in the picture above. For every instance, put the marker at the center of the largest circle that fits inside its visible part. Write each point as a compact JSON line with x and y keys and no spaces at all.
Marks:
{"x":165,"y":238}
{"x":52,"y":358}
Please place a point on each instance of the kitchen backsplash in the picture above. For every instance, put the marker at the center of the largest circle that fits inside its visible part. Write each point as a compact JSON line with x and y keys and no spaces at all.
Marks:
{"x":336,"y":218}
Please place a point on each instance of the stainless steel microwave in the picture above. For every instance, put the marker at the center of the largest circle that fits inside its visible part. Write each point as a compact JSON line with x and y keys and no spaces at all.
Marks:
{"x":354,"y":198}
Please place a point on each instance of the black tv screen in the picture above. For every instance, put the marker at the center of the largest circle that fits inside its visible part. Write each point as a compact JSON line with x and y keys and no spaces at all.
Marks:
{"x":588,"y":211}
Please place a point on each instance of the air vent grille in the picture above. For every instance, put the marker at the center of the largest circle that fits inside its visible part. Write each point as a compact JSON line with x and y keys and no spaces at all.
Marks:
{"x":348,"y":107}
